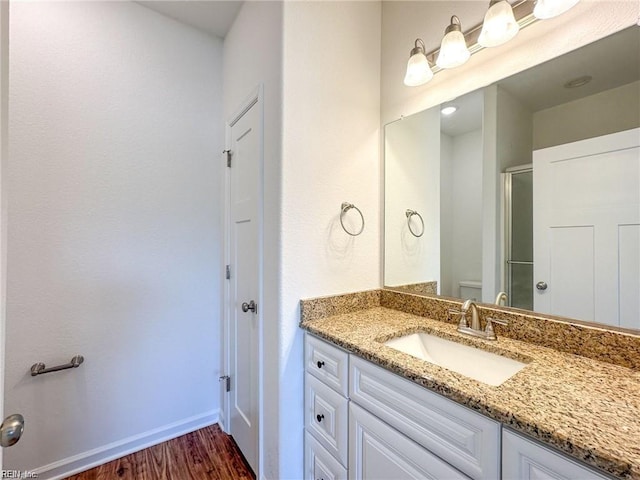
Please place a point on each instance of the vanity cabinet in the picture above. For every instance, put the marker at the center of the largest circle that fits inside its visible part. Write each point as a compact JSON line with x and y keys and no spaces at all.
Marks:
{"x":379,"y":451}
{"x":363,"y":422}
{"x":326,"y":410}
{"x":524,"y":459}
{"x":468,"y":441}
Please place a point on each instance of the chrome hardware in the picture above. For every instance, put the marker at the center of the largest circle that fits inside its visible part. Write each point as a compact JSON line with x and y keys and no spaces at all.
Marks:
{"x":11,"y":430}
{"x":501,"y":299}
{"x":410,"y":213}
{"x":541,"y":286}
{"x":344,"y":208}
{"x":475,"y":329}
{"x":249,"y":306}
{"x":320,"y":364}
{"x":40,"y":368}
{"x":228,"y":153}
{"x":488,"y":330}
{"x":227,"y":382}
{"x":475,"y":318}
{"x":319,"y":418}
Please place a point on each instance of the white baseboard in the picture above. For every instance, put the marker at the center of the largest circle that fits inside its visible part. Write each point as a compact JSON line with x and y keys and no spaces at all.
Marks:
{"x":92,"y":458}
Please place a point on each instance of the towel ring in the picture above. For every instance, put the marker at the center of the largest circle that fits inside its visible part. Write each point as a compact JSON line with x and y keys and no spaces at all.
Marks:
{"x":344,"y":209}
{"x":410,"y":213}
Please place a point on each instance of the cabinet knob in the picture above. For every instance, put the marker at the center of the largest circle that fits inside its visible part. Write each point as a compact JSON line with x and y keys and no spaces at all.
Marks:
{"x":319,"y":418}
{"x":320,"y":364}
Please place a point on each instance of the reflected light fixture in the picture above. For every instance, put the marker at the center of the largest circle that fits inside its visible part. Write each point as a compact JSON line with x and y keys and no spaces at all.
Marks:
{"x":552,"y":8}
{"x":418,"y":68}
{"x":499,"y":24}
{"x":448,"y":110}
{"x":453,"y":50}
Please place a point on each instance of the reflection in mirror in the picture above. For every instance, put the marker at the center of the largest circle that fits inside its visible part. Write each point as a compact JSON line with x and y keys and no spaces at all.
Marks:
{"x":531,"y":186}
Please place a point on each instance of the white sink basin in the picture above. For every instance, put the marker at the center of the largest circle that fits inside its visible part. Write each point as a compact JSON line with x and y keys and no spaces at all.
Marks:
{"x":471,"y":362}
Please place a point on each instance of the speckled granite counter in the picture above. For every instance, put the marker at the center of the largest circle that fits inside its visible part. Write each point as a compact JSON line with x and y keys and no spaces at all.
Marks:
{"x":585,"y":408}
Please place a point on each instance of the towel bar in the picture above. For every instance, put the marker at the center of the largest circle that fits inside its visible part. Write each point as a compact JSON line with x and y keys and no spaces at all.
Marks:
{"x":40,"y":368}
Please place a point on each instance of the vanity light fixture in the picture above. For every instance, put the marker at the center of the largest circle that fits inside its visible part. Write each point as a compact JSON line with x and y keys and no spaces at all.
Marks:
{"x":552,"y":8}
{"x":499,"y":24}
{"x":453,"y":50}
{"x":448,"y":110}
{"x":418,"y":68}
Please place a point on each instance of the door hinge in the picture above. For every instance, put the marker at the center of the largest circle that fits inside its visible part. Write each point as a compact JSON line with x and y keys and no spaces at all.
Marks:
{"x":228,"y":152}
{"x":227,"y":382}
{"x":227,"y":274}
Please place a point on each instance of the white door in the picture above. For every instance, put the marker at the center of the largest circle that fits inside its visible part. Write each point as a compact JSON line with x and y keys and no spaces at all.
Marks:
{"x":586,"y":220}
{"x":11,"y":427}
{"x":244,"y":261}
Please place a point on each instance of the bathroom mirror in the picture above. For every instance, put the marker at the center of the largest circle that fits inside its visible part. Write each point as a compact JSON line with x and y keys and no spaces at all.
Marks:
{"x":531,"y":186}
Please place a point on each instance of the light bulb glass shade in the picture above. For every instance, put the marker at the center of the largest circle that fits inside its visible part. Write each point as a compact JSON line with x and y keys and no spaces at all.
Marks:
{"x":499,"y":25}
{"x":418,"y":70}
{"x":453,"y":50}
{"x":552,"y":8}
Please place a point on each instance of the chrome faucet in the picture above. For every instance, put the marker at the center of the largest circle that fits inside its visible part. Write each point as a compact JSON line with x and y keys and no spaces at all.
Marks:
{"x":475,"y":329}
{"x":501,"y":299}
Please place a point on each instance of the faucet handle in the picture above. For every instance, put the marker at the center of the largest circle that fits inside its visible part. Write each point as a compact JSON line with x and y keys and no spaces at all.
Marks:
{"x":463,"y":317}
{"x":498,"y":320}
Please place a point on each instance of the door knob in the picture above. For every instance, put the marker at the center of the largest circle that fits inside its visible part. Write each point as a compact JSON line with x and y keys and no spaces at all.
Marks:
{"x":11,"y":430}
{"x":541,"y":286}
{"x":249,"y":306}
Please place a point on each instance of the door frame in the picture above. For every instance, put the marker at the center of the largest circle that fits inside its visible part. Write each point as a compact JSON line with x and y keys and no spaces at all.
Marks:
{"x":4,"y":159}
{"x":255,"y":98}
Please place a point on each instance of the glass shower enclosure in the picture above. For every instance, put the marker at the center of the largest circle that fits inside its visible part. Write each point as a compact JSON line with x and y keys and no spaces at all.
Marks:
{"x":518,"y":191}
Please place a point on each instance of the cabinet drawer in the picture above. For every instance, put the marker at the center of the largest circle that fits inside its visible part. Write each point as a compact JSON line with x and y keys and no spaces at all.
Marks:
{"x":326,"y":417}
{"x":327,"y":363}
{"x":377,"y":451}
{"x":320,"y":464}
{"x":463,"y":438}
{"x":524,"y":459}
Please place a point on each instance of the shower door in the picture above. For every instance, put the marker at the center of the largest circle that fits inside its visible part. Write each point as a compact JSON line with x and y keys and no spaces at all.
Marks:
{"x":519,"y":236}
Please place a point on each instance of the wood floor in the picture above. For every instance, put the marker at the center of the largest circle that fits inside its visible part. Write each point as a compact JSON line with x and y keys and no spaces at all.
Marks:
{"x":208,"y":453}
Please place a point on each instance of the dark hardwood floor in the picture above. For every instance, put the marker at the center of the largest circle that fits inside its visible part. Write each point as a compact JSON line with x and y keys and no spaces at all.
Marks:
{"x":208,"y":453}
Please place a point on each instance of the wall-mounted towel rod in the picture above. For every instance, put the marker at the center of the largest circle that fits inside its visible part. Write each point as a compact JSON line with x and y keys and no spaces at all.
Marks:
{"x":410,"y":213}
{"x":40,"y":368}
{"x":344,"y":208}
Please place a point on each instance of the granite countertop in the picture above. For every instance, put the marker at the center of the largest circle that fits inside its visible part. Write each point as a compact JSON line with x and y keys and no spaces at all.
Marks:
{"x":585,"y":408}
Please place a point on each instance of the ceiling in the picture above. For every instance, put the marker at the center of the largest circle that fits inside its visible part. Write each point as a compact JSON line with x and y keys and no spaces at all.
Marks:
{"x":214,"y":17}
{"x":467,"y":118}
{"x":611,"y":62}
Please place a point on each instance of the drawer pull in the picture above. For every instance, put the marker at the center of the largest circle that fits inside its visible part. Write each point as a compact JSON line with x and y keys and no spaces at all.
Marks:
{"x":320,"y":364}
{"x":319,"y":418}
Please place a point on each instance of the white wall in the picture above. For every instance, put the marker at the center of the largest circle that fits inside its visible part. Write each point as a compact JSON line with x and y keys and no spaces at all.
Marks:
{"x":253,"y":56}
{"x":331,"y":154}
{"x":606,"y":112}
{"x":404,"y":21}
{"x":113,"y":228}
{"x":412,"y":181}
{"x":466,"y":209}
{"x":446,"y":213}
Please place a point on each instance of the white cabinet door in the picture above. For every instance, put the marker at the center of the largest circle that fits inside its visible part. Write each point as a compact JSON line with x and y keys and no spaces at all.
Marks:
{"x":379,"y":452}
{"x":326,"y":417}
{"x":320,"y":464}
{"x":463,"y":438}
{"x":524,"y":459}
